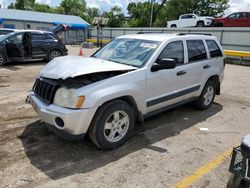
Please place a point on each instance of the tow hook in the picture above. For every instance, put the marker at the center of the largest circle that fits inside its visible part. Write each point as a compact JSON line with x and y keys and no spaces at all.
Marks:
{"x":27,"y":100}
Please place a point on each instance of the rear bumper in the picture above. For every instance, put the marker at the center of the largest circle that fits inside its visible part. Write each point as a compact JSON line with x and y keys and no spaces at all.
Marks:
{"x":73,"y":124}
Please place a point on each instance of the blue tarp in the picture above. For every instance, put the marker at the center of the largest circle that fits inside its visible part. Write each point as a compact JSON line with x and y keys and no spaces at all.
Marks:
{"x":73,"y":26}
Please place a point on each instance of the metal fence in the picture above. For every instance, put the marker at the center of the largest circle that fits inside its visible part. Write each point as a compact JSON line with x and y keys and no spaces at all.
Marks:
{"x":230,"y":38}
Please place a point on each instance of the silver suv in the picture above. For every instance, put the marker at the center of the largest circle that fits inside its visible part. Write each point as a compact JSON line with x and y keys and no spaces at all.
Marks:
{"x":131,"y":78}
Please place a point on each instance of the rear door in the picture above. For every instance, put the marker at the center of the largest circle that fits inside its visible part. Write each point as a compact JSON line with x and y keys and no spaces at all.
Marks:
{"x":196,"y":66}
{"x":241,"y":20}
{"x":41,"y":44}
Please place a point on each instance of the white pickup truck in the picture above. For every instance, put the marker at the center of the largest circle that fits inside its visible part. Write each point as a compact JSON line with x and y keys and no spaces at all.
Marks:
{"x":190,"y":20}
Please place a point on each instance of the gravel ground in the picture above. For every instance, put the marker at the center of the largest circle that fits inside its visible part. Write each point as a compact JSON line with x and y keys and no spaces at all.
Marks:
{"x":162,"y":151}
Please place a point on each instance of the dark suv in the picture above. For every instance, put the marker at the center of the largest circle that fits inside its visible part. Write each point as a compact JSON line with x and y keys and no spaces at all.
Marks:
{"x":27,"y":45}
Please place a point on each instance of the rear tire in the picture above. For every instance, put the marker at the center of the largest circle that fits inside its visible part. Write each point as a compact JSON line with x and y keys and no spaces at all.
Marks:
{"x":112,"y":125}
{"x":200,"y":24}
{"x":2,"y":60}
{"x":53,"y":54}
{"x":207,"y":96}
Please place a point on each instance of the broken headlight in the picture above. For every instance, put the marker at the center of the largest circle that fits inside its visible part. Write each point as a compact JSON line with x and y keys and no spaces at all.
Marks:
{"x":67,"y":97}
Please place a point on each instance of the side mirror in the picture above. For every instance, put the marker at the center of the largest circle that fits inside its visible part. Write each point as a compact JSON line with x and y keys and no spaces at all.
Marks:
{"x":164,"y":64}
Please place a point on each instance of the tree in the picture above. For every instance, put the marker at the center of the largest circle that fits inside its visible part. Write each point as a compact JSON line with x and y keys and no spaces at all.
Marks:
{"x":22,"y":5}
{"x":73,"y":7}
{"x":116,"y":17}
{"x":210,"y":7}
{"x":172,"y":9}
{"x":91,"y":13}
{"x":139,"y":14}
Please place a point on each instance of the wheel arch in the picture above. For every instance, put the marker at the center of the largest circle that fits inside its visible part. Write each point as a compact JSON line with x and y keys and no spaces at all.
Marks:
{"x":200,"y":21}
{"x":216,"y":80}
{"x":5,"y":55}
{"x":131,"y":101}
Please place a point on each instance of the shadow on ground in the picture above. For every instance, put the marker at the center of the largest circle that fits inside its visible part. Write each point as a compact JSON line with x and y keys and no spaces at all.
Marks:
{"x":13,"y":66}
{"x":58,"y":158}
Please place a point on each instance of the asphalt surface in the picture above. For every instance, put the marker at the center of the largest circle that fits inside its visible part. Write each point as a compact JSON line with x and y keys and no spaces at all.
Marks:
{"x":161,"y":153}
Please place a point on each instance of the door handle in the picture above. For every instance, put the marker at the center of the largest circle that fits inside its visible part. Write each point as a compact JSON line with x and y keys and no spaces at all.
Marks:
{"x":181,"y":73}
{"x":206,"y":66}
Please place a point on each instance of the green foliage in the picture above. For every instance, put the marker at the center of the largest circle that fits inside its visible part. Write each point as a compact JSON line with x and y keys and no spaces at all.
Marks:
{"x":172,"y":9}
{"x":22,"y":4}
{"x":91,"y":13}
{"x":139,"y":13}
{"x":116,"y":17}
{"x":73,"y":7}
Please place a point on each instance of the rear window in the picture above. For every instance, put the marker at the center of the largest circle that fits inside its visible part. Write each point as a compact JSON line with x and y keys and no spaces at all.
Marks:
{"x":196,"y":50}
{"x":213,"y":48}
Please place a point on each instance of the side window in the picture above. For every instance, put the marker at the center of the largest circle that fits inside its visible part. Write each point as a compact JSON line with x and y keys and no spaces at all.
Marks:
{"x":174,"y":50}
{"x":232,"y":16}
{"x":196,"y":50}
{"x":39,"y":37}
{"x":214,"y":49}
{"x":36,"y":37}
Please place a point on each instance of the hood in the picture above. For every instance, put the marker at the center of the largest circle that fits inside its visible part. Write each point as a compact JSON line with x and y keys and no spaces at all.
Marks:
{"x":73,"y":66}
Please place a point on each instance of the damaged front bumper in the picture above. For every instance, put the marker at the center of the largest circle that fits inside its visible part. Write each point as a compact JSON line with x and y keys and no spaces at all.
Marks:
{"x":70,"y":124}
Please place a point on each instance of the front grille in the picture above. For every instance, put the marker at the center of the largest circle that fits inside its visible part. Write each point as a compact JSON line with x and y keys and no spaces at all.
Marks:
{"x":45,"y":90}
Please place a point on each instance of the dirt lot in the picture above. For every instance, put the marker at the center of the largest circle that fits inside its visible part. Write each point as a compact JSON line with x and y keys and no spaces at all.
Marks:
{"x":161,"y":153}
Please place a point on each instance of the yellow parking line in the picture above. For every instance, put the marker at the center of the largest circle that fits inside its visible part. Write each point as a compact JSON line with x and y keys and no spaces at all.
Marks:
{"x":199,"y":173}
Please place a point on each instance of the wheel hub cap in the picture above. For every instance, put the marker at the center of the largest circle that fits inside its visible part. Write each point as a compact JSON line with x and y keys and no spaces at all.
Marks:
{"x":116,"y":126}
{"x":209,"y":95}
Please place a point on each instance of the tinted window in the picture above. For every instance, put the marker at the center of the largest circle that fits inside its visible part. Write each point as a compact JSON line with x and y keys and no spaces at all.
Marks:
{"x":196,"y":50}
{"x":174,"y":50}
{"x":213,"y":48}
{"x":232,"y":16}
{"x":187,"y":17}
{"x":41,"y":37}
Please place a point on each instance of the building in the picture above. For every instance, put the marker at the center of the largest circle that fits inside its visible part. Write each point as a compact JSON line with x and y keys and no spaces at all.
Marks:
{"x":22,"y":19}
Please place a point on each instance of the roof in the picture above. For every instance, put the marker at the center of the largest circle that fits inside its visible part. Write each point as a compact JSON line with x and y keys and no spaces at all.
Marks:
{"x":165,"y":36}
{"x":24,"y":15}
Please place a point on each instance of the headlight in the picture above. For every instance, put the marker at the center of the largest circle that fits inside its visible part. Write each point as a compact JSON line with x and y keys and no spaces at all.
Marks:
{"x":67,"y":98}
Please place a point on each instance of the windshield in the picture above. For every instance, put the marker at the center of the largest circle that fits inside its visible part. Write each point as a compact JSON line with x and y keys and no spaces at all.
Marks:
{"x":134,"y":52}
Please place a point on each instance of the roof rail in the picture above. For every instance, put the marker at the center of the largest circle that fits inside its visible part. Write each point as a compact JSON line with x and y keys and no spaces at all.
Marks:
{"x":207,"y":34}
{"x":146,"y":32}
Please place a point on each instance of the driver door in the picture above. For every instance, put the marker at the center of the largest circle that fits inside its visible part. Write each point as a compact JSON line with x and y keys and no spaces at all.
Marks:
{"x":14,"y":46}
{"x":167,"y":87}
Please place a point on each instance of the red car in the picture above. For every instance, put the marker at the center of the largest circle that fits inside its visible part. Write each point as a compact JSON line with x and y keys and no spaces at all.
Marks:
{"x":238,"y":19}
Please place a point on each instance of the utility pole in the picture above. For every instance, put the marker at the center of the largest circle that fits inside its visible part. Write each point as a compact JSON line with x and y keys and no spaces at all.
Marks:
{"x":152,"y":12}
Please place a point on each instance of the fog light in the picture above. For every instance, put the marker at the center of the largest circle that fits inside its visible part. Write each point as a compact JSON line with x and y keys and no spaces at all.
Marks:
{"x":59,"y":122}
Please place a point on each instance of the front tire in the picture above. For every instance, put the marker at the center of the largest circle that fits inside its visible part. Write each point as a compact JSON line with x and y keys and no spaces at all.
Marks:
{"x":207,"y":96}
{"x":2,"y":60}
{"x":112,"y":125}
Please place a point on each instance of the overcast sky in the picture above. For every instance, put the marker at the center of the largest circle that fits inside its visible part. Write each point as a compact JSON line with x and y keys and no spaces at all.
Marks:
{"x":104,"y":5}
